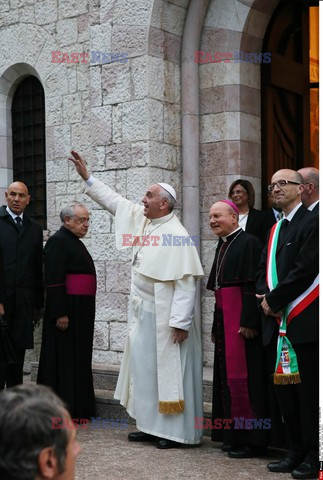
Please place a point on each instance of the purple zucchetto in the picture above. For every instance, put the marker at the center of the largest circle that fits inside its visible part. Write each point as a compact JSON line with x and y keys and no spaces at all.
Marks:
{"x":232,"y":205}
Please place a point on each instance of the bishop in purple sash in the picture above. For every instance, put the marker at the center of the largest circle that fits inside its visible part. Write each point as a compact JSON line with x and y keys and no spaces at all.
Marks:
{"x":239,"y":381}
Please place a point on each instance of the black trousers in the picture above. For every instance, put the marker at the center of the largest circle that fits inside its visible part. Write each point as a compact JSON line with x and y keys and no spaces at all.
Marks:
{"x":12,"y":375}
{"x":299,"y":404}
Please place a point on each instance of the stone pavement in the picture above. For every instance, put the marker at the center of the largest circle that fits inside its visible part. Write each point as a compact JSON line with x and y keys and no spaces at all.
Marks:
{"x":107,"y":454}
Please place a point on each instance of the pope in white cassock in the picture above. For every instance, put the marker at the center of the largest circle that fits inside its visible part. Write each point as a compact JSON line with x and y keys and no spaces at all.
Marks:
{"x":160,"y":380}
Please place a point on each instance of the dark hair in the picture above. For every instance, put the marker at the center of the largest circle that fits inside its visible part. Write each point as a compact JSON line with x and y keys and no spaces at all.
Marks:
{"x":26,"y":413}
{"x":248,"y":187}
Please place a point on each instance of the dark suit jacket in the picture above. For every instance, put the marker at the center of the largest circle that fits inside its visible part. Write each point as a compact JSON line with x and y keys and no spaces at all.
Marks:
{"x":297,"y":266}
{"x":253,"y":225}
{"x":316,"y":209}
{"x":23,"y":279}
{"x":268,"y":219}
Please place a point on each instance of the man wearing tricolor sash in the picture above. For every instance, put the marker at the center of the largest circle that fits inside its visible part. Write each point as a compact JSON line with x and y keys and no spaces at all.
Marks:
{"x":288,"y":291}
{"x":160,"y":380}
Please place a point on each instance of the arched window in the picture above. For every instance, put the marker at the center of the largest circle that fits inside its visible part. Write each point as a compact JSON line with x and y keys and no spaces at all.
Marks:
{"x":28,"y":142}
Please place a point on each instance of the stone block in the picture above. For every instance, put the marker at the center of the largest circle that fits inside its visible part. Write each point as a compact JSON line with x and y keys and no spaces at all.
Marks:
{"x":172,"y":124}
{"x":256,"y":23}
{"x":62,"y":188}
{"x":164,"y":45}
{"x":101,"y":128}
{"x":118,"y":277}
{"x":62,"y":140}
{"x":219,"y":157}
{"x":118,"y":336}
{"x":250,"y":128}
{"x":116,"y":83}
{"x":62,"y":201}
{"x":83,"y":77}
{"x":155,"y":115}
{"x":140,"y":154}
{"x":132,"y":12}
{"x":135,"y":124}
{"x":173,"y":18}
{"x":106,"y":358}
{"x":100,"y":222}
{"x":130,"y":39}
{"x":220,"y":126}
{"x":215,"y":74}
{"x":81,"y":139}
{"x":118,"y":156}
{"x":140,"y":76}
{"x":72,"y":108}
{"x":163,"y":155}
{"x":100,"y":270}
{"x":46,"y":12}
{"x":27,"y":14}
{"x":101,"y":336}
{"x":95,"y":86}
{"x":104,"y":248}
{"x":99,"y":159}
{"x":224,"y":15}
{"x":117,"y":112}
{"x":100,"y":39}
{"x":72,"y":8}
{"x":250,"y":75}
{"x":66,"y":32}
{"x":83,"y":24}
{"x":111,"y":306}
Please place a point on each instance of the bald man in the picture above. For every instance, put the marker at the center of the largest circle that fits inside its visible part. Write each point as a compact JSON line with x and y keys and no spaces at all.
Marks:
{"x":239,"y":381}
{"x":160,"y":381}
{"x":21,"y":241}
{"x":288,"y":291}
{"x":311,"y":193}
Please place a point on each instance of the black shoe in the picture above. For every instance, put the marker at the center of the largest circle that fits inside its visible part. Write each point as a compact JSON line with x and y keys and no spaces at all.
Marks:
{"x":226,"y":448}
{"x":286,"y":465}
{"x":306,"y":470}
{"x":163,"y":443}
{"x":247,"y":452}
{"x":141,"y":437}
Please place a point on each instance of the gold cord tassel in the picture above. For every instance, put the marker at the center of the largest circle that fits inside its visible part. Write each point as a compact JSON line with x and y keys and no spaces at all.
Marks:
{"x":288,"y":379}
{"x":171,"y":408}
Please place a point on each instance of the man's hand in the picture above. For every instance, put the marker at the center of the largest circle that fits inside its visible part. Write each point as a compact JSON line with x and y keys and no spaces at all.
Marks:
{"x":266,"y":308}
{"x":179,"y":335}
{"x":80,"y":165}
{"x":62,"y":323}
{"x":247,"y":332}
{"x":1,"y":309}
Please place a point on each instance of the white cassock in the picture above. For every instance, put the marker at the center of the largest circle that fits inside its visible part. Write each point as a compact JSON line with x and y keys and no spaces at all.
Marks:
{"x":160,"y":383}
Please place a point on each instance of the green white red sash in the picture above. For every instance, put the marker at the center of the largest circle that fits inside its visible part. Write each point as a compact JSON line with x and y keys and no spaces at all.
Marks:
{"x":286,"y":368}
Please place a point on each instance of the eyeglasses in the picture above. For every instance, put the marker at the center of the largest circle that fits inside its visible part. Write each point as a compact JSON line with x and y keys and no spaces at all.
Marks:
{"x":281,"y":184}
{"x":81,"y":221}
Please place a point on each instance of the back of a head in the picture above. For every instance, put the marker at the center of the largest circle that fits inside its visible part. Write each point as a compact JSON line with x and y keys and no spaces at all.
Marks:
{"x":26,"y":413}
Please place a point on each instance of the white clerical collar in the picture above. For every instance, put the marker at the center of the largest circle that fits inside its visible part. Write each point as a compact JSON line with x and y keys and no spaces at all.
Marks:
{"x":311,"y":207}
{"x":225,"y":239}
{"x":289,"y":217}
{"x":14,"y":215}
{"x":164,"y":219}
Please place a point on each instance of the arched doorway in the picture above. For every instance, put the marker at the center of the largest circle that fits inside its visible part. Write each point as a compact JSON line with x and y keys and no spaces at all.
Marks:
{"x":290,"y":86}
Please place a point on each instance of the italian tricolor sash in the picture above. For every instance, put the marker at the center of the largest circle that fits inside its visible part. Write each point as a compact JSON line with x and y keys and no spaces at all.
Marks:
{"x":286,"y":368}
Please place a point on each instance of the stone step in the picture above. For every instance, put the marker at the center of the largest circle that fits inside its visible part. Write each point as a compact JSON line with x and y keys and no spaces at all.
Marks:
{"x":105,"y":378}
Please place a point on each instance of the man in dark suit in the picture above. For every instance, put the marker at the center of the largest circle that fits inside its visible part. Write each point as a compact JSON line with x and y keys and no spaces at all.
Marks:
{"x":311,"y":194}
{"x":21,"y":240}
{"x":293,"y":249}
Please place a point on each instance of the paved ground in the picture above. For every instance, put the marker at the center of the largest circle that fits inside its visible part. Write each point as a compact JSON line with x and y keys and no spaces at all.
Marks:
{"x":107,"y":454}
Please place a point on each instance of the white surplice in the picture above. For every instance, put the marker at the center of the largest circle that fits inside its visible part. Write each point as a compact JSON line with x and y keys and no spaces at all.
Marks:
{"x":154,"y":371}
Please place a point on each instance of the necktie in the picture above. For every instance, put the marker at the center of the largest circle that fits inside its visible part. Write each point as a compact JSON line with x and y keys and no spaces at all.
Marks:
{"x":283,"y":231}
{"x":18,"y":222}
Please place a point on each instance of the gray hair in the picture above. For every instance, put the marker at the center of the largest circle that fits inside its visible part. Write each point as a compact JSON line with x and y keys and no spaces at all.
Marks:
{"x":164,"y":195}
{"x":26,"y":413}
{"x":69,"y":210}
